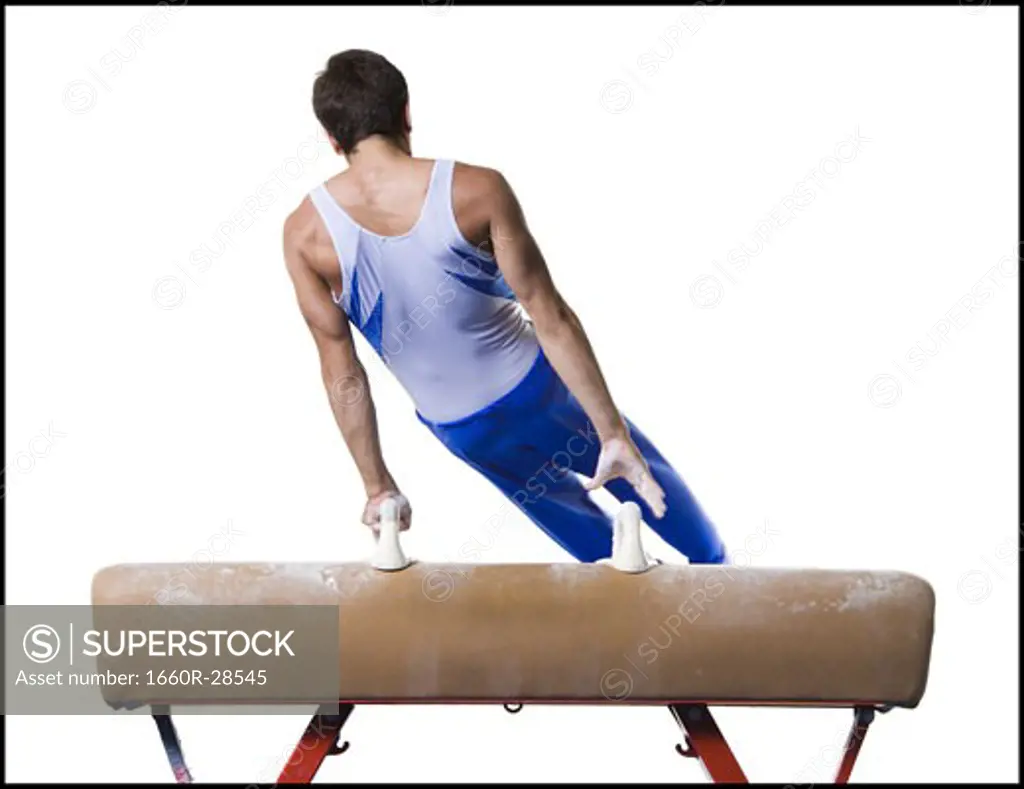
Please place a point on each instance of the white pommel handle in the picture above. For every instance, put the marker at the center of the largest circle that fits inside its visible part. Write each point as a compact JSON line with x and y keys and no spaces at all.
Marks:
{"x":627,"y":549}
{"x":389,"y":555}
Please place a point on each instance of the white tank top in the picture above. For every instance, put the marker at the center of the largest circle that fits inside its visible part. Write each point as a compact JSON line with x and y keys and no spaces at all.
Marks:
{"x":434,"y":307}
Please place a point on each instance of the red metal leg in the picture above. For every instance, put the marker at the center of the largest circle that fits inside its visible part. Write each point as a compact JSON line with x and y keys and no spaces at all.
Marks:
{"x":704,"y":739}
{"x":319,"y":741}
{"x":706,"y":743}
{"x":862,"y":717}
{"x":172,"y":745}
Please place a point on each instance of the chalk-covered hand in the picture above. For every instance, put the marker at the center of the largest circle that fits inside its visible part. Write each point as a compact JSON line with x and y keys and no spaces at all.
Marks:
{"x":620,"y":458}
{"x":371,"y":513}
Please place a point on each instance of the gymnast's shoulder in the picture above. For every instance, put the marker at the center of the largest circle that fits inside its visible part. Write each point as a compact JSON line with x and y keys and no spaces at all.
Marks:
{"x":301,"y":226}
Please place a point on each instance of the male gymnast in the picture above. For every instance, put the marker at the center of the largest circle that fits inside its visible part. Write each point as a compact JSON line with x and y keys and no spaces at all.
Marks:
{"x":432,"y":261}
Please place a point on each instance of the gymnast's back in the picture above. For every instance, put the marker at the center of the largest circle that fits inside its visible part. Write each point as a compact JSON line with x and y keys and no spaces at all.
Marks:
{"x":407,"y":252}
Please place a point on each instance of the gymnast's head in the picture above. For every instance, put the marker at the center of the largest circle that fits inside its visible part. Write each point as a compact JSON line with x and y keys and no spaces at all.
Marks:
{"x":360,"y":95}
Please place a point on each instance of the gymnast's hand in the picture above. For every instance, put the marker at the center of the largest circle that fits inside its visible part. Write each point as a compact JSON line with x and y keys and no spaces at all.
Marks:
{"x":620,"y":458}
{"x":371,"y":513}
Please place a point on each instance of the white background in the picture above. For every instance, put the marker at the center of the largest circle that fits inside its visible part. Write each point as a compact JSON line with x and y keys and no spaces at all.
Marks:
{"x":154,"y":398}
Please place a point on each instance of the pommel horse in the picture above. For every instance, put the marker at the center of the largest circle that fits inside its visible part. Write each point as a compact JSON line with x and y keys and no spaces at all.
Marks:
{"x":623,"y":631}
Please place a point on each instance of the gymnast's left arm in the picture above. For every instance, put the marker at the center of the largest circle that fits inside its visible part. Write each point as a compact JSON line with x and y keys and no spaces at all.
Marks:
{"x":344,"y":378}
{"x":565,"y":343}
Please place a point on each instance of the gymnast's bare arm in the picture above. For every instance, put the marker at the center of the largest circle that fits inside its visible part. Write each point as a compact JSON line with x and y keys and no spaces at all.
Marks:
{"x":488,"y":199}
{"x":312,"y":266}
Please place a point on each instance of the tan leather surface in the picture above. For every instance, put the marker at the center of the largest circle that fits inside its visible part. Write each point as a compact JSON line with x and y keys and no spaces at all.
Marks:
{"x":588,"y":633}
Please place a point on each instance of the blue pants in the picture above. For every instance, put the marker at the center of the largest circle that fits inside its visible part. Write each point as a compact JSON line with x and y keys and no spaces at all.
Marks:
{"x":532,"y":442}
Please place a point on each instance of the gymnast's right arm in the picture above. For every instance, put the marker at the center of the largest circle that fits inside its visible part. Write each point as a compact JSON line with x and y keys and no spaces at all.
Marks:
{"x":343,"y":375}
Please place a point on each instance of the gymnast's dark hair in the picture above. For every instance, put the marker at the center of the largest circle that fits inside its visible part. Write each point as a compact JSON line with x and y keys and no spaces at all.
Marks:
{"x":360,"y":94}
